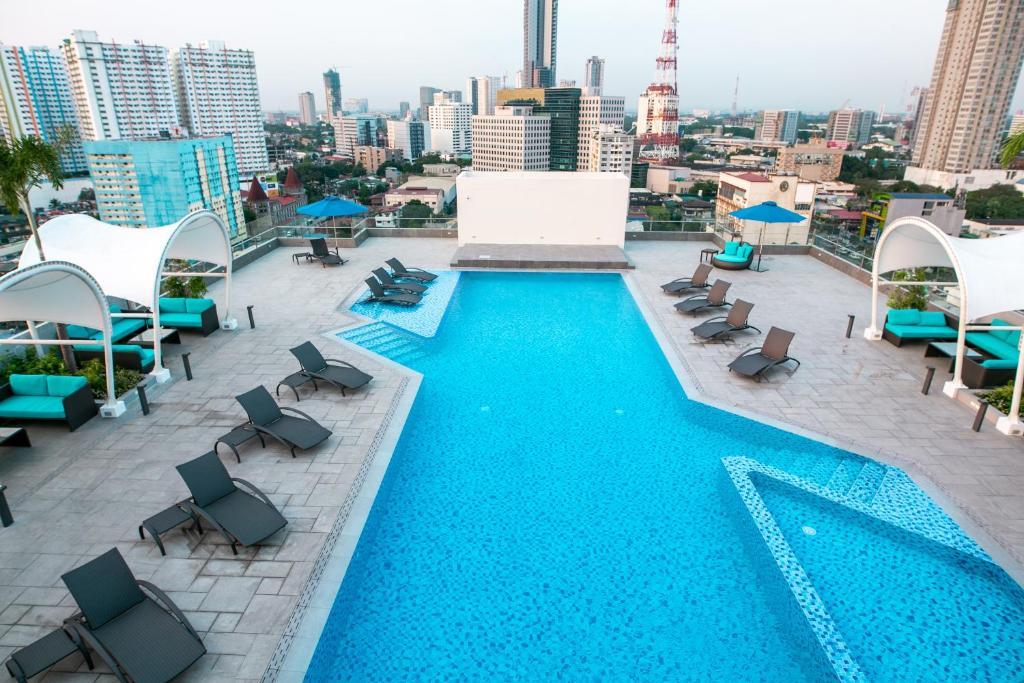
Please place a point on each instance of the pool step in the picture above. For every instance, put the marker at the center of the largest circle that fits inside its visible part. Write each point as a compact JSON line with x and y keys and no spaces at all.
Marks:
{"x":844,"y":475}
{"x":868,"y":482}
{"x":387,"y":341}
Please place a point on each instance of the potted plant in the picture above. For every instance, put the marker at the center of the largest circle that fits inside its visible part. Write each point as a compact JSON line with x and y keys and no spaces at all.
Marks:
{"x":909,"y":296}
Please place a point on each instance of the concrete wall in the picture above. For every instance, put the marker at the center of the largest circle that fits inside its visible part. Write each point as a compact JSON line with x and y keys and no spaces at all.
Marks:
{"x":542,"y":208}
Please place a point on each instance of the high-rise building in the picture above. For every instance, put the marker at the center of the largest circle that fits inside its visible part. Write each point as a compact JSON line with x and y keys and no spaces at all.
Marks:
{"x":610,"y":150}
{"x":121,"y":91}
{"x":540,"y":36}
{"x":593,"y":81}
{"x":450,"y":131}
{"x":514,"y":138}
{"x":563,"y":105}
{"x":850,"y":125}
{"x":371,"y":158}
{"x":332,"y":93}
{"x":451,"y":95}
{"x":357,"y":130}
{"x":975,"y":75}
{"x":597,"y":111}
{"x":403,"y":109}
{"x":218,"y":94}
{"x":35,"y":100}
{"x":778,"y":125}
{"x":307,"y":108}
{"x":1017,"y":123}
{"x":149,"y":183}
{"x":482,"y":93}
{"x":426,"y":99}
{"x":356,"y":105}
{"x":411,"y":137}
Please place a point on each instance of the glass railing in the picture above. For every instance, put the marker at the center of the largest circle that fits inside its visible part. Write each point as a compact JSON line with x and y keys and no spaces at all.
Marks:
{"x":845,"y":246}
{"x":681,"y":225}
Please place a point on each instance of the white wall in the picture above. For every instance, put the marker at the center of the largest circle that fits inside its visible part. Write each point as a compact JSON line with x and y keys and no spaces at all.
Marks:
{"x":542,"y":208}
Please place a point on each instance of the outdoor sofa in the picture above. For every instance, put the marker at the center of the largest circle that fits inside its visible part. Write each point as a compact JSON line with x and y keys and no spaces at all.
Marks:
{"x":198,"y":315}
{"x":120,"y":328}
{"x":127,"y":356}
{"x":909,"y":324}
{"x":1004,"y":349}
{"x":48,"y":397}
{"x":734,"y":256}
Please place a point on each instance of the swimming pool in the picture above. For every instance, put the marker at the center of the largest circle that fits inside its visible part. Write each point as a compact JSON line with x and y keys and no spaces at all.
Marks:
{"x":557,"y":509}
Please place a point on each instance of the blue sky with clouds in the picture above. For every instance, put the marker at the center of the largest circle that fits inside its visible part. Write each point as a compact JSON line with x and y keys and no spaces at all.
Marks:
{"x":812,"y":55}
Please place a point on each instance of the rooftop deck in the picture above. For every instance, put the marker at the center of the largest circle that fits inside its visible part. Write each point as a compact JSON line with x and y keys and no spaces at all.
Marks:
{"x":75,"y":495}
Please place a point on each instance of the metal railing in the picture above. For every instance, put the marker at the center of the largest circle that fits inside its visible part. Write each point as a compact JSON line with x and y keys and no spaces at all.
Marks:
{"x":855,"y":251}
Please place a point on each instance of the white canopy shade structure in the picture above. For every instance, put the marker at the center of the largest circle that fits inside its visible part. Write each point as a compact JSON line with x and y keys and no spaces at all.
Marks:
{"x":129,"y":262}
{"x":990,"y":276}
{"x":59,"y":292}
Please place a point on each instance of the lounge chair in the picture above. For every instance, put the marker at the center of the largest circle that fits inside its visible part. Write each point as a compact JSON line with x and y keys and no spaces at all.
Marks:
{"x":377,"y":293}
{"x":401,"y":272}
{"x":389,"y":283}
{"x":756,"y":362}
{"x":337,"y":372}
{"x":713,"y":299}
{"x":267,"y":418}
{"x":698,"y":281}
{"x":131,"y":624}
{"x":242,"y":517}
{"x":724,"y":326}
{"x":323,"y":254}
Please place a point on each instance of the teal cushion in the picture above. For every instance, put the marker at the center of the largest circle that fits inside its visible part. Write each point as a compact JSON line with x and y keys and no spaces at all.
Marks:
{"x":80,"y":332}
{"x":28,"y":385}
{"x":180,"y":320}
{"x":999,"y":364}
{"x":197,"y":305}
{"x":745,"y":251}
{"x":933,"y":318}
{"x":731,"y":248}
{"x":125,"y":327}
{"x":730,"y":259}
{"x":172,"y":305}
{"x":114,"y":308}
{"x":1011,"y":337}
{"x":992,"y":345}
{"x":906,"y":316}
{"x":146,"y":356}
{"x":45,"y":407}
{"x":57,"y":385}
{"x":921,"y":331}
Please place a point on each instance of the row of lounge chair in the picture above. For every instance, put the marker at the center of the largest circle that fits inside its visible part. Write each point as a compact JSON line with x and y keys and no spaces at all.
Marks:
{"x":755,"y":362}
{"x":389,"y":288}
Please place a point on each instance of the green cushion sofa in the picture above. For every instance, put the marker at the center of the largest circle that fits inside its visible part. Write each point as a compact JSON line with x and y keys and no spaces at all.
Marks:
{"x":125,"y":355}
{"x":120,"y":328}
{"x":1003,"y":351}
{"x":199,"y":315}
{"x":910,"y":324}
{"x":48,"y":397}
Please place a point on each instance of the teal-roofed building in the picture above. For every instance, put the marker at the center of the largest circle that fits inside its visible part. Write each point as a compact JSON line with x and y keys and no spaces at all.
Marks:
{"x":149,"y":183}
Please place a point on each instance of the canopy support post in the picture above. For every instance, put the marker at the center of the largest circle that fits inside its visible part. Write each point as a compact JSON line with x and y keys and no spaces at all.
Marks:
{"x":34,"y":334}
{"x":227,"y":322}
{"x":873,"y":333}
{"x":952,"y":387}
{"x":1011,"y":424}
{"x":159,"y":372}
{"x":112,"y":407}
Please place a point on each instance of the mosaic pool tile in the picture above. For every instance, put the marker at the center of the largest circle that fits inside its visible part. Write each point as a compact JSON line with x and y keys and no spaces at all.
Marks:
{"x":425,"y":317}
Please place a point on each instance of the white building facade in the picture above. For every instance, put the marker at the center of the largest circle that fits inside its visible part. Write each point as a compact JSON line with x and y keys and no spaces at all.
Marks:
{"x":307,"y":108}
{"x":35,"y":99}
{"x":412,"y":137}
{"x":482,"y":94}
{"x":120,"y":91}
{"x":513,"y":139}
{"x":593,"y":81}
{"x":610,"y":150}
{"x":597,"y":111}
{"x":450,"y":131}
{"x":218,"y":94}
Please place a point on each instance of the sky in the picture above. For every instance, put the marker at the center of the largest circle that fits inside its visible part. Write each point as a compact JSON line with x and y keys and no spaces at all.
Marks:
{"x":811,"y":55}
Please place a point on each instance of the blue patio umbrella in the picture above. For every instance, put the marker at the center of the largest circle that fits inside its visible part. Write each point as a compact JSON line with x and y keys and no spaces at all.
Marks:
{"x":333,"y":207}
{"x":766,"y":212}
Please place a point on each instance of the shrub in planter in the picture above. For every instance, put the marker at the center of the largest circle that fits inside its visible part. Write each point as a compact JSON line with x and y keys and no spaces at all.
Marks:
{"x":124,"y":379}
{"x":30,"y":363}
{"x":174,"y":287}
{"x":909,"y":296}
{"x":1000,"y":397}
{"x":195,"y":287}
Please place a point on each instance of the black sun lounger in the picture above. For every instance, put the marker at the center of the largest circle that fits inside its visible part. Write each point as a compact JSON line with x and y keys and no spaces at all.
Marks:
{"x":713,"y":299}
{"x":337,"y":372}
{"x":756,"y":362}
{"x":724,"y":326}
{"x":268,"y":419}
{"x":401,"y":272}
{"x":390,"y":284}
{"x":325,"y":256}
{"x":243,"y":518}
{"x":377,"y":293}
{"x":698,"y":281}
{"x":132,"y":625}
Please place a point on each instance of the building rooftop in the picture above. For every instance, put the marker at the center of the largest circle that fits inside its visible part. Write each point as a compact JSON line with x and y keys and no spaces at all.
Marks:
{"x":751,"y":177}
{"x":920,"y":195}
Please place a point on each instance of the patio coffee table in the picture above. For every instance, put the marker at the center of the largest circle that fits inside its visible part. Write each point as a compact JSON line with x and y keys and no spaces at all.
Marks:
{"x":948,"y":350}
{"x":708,"y":254}
{"x":293,"y":382}
{"x":14,"y":436}
{"x":146,"y":339}
{"x":236,"y":437}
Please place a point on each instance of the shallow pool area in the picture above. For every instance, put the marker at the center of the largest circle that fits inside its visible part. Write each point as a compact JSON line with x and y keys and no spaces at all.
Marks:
{"x":557,"y":509}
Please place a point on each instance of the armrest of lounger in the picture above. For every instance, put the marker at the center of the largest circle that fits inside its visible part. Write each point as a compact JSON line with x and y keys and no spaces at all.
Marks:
{"x":76,"y":626}
{"x":169,"y":605}
{"x":195,"y":509}
{"x":717,"y":317}
{"x":755,"y":349}
{"x":254,"y":490}
{"x":299,"y":412}
{"x":341,"y":362}
{"x":695,"y":296}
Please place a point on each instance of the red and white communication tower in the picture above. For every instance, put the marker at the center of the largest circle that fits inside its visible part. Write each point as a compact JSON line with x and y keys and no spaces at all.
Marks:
{"x":658,"y":110}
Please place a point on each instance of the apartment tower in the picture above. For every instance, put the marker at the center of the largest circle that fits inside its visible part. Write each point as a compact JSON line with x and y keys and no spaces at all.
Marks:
{"x":332,"y":93}
{"x":540,"y":33}
{"x":597,"y":111}
{"x":482,"y":93}
{"x":514,"y":138}
{"x":218,"y":94}
{"x":778,"y":125}
{"x":450,"y":131}
{"x":593,"y":81}
{"x":307,"y":108}
{"x":975,"y":75}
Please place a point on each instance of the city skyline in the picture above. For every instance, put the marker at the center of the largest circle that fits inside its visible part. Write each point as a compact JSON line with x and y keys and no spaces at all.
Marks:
{"x":713,"y":51}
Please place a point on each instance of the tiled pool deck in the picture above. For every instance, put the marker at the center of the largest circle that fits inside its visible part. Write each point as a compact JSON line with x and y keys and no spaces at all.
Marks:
{"x":75,"y":495}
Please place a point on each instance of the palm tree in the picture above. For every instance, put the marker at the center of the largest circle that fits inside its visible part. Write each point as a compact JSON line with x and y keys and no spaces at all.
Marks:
{"x":1012,"y":147}
{"x":25,"y":163}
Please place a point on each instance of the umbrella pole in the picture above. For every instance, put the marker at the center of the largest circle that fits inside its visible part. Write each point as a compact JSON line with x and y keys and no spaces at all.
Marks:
{"x":760,"y":249}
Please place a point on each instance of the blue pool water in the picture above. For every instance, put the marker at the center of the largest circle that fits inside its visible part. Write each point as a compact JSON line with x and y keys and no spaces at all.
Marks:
{"x":556,"y":509}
